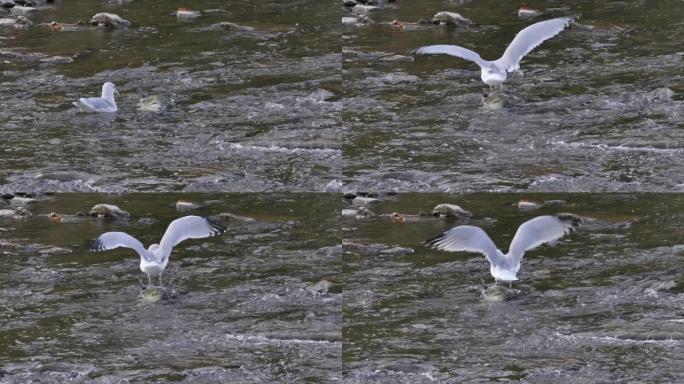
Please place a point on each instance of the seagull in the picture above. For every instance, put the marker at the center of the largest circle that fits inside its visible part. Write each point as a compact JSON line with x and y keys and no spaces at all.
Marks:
{"x":494,"y":73}
{"x":105,"y":103}
{"x":153,"y":260}
{"x":504,"y":267}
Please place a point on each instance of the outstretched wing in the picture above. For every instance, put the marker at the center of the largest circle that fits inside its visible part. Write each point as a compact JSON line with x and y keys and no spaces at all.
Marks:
{"x":453,"y":50}
{"x":527,"y":39}
{"x":540,"y":230}
{"x":467,"y":238}
{"x":111,"y":240}
{"x":188,"y":227}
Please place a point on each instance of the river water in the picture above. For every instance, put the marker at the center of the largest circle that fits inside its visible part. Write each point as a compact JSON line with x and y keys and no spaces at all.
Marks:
{"x":261,"y":303}
{"x":598,"y":107}
{"x":244,"y":111}
{"x":603,"y":305}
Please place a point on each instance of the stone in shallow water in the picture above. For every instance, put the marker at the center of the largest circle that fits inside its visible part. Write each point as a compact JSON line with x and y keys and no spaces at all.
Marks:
{"x":109,"y":210}
{"x":450,"y":210}
{"x":110,"y":20}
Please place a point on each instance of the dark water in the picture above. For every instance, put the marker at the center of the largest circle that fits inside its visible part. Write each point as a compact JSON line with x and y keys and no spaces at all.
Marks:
{"x":592,"y":112}
{"x":245,"y":111}
{"x":261,"y":303}
{"x":603,"y":305}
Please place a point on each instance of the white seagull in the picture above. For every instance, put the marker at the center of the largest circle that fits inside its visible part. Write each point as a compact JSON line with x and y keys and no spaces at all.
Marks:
{"x":105,"y":103}
{"x":494,"y":73}
{"x":504,"y":267}
{"x":153,"y":260}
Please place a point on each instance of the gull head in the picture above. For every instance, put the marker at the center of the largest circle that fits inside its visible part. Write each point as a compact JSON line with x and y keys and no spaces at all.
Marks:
{"x":109,"y":90}
{"x":153,"y":247}
{"x":493,"y":75}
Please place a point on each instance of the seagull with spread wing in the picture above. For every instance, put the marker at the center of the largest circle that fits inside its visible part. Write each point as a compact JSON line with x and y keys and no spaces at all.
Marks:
{"x":105,"y":103}
{"x":494,"y":73}
{"x":504,"y":267}
{"x":153,"y":260}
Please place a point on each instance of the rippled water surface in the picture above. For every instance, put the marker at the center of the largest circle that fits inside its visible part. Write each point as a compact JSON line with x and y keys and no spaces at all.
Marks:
{"x":602,"y":305}
{"x":243,"y":110}
{"x":598,"y":108}
{"x":259,"y":304}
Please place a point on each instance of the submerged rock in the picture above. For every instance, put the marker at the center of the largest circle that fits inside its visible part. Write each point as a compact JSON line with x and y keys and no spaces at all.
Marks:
{"x":109,"y":211}
{"x":228,"y":26}
{"x":450,"y":210}
{"x":109,"y":20}
{"x":450,"y":18}
{"x":14,"y":213}
{"x":492,"y":101}
{"x":358,"y":213}
{"x":232,"y":217}
{"x":18,"y":201}
{"x":363,"y":201}
{"x":152,"y":103}
{"x":15,"y":22}
{"x":151,"y":295}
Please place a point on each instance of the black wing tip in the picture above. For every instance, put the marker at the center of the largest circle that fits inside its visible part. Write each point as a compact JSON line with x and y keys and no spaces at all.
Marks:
{"x":568,"y":218}
{"x":432,"y":242}
{"x":216,"y":228}
{"x":97,"y":246}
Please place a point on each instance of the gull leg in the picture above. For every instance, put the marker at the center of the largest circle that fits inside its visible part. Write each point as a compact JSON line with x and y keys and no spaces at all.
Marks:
{"x":510,"y":284}
{"x":160,"y":281}
{"x":149,"y":280}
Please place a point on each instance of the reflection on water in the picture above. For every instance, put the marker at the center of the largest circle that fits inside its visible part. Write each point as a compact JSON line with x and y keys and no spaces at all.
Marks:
{"x":260,"y":303}
{"x":603,"y":304}
{"x":277,"y":84}
{"x":609,"y":83}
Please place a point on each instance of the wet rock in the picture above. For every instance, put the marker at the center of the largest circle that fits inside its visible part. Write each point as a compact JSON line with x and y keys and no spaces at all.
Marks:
{"x":364,"y":201}
{"x":358,"y":213}
{"x":528,"y":13}
{"x":450,"y":210}
{"x":55,"y":251}
{"x":152,"y":295}
{"x":187,"y":13}
{"x":333,"y":186}
{"x":14,"y":213}
{"x":492,"y":102}
{"x":57,"y":60}
{"x":18,"y":201}
{"x":499,"y":293}
{"x":548,"y":203}
{"x":22,"y":11}
{"x":450,"y":18}
{"x":357,"y":21}
{"x":109,"y":20}
{"x":364,"y":8}
{"x":184,"y":206}
{"x":228,"y":26}
{"x":232,"y":217}
{"x":525,"y":205}
{"x":18,"y":22}
{"x":319,"y":288}
{"x":109,"y":211}
{"x":397,"y":59}
{"x":152,"y":103}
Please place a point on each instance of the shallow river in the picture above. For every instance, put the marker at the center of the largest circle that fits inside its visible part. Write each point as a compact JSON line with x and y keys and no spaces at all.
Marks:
{"x":598,"y":107}
{"x":603,"y":305}
{"x":261,"y":303}
{"x":243,"y":110}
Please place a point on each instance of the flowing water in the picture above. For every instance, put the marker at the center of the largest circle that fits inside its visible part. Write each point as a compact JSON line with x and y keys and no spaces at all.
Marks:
{"x":598,"y":107}
{"x":253,"y":110}
{"x":261,"y":303}
{"x":602,"y":305}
